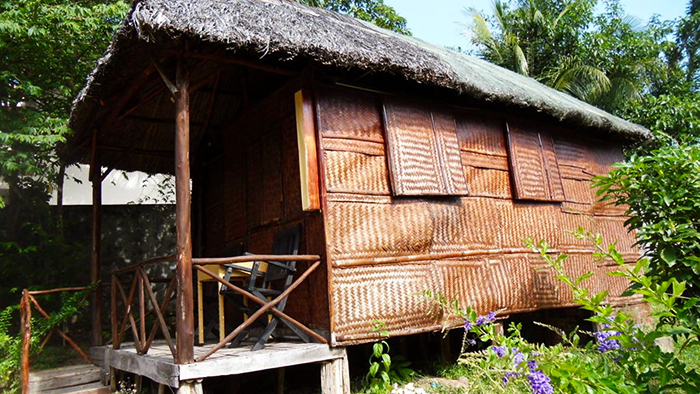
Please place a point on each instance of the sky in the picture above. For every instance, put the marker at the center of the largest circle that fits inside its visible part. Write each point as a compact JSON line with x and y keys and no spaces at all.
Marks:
{"x":438,"y":21}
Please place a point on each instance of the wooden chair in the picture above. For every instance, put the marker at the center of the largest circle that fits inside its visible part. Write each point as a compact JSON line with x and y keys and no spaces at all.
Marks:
{"x":240,"y":274}
{"x":278,"y":277}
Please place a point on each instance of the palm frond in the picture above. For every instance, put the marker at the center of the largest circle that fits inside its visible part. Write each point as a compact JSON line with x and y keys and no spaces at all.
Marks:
{"x":521,"y":66}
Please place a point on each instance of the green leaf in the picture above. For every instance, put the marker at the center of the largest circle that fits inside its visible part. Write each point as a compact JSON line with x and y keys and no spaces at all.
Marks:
{"x":668,"y":255}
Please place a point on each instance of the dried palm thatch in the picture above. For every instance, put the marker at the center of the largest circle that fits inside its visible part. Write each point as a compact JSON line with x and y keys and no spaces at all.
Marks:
{"x":291,"y":31}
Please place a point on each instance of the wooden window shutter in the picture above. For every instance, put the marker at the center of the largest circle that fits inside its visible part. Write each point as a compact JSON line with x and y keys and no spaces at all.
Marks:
{"x":423,"y":151}
{"x":533,"y":165}
{"x":306,"y":140}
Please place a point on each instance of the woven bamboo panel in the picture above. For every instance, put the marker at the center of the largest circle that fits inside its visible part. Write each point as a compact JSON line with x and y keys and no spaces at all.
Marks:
{"x":482,"y":160}
{"x":604,"y":156}
{"x":272,"y":177}
{"x":389,"y":293}
{"x":481,"y":134}
{"x":572,"y":153}
{"x":254,"y":185}
{"x":213,"y":185}
{"x":347,"y":145}
{"x":514,"y":282}
{"x":290,"y":167}
{"x":260,"y":241}
{"x":235,"y":190}
{"x":524,"y":220}
{"x":361,"y":198}
{"x":373,"y":230}
{"x":578,"y":191}
{"x":415,"y":169}
{"x":612,"y":229}
{"x":487,"y":183}
{"x":447,"y":150}
{"x":608,"y":208}
{"x":349,"y":172}
{"x":422,"y":149}
{"x":347,"y":114}
{"x":556,"y":189}
{"x":573,"y":172}
{"x":473,"y":223}
{"x":534,"y":166}
{"x":214,"y":229}
{"x":528,"y":165}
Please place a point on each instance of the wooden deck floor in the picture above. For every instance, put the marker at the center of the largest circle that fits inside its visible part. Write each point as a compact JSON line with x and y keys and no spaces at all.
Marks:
{"x":159,"y":366}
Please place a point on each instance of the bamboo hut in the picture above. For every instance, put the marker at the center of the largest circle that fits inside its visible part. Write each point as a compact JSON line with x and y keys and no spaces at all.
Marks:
{"x":410,"y":167}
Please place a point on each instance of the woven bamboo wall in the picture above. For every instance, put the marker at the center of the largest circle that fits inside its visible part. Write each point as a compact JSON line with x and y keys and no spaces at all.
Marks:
{"x":385,"y":249}
{"x":252,"y":190}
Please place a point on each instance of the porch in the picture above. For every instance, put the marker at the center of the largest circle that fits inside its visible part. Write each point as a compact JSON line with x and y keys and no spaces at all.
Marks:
{"x":159,"y":365}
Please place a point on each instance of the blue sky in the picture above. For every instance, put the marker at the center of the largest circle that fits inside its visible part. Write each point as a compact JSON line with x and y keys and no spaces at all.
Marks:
{"x":437,"y":21}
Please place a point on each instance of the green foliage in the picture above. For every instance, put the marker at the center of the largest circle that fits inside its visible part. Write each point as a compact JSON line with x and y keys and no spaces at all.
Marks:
{"x":47,"y":48}
{"x":71,"y":305}
{"x":623,"y":359}
{"x":639,"y":364}
{"x":383,"y":371}
{"x":606,"y":60}
{"x":374,"y":11}
{"x":661,"y":189}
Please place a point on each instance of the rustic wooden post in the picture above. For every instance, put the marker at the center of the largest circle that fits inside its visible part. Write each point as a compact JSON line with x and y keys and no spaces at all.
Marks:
{"x":26,"y":317}
{"x":95,"y":262}
{"x":335,"y":375}
{"x":185,"y":302}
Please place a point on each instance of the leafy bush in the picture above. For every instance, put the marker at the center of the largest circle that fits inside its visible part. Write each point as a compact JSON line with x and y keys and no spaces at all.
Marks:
{"x":383,"y":371}
{"x":622,"y":359}
{"x":72,"y":303}
{"x":661,"y":189}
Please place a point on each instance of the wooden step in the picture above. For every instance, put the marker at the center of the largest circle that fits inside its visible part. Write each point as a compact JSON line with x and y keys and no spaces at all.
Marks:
{"x":65,"y":377}
{"x":90,"y":388}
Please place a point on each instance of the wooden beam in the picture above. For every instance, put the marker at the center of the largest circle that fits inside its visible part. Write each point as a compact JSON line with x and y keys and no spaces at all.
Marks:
{"x":95,"y":261}
{"x":184,"y":314}
{"x":246,"y":63}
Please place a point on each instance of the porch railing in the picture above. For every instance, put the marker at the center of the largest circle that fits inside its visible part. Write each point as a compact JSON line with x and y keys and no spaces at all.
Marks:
{"x":141,"y":297}
{"x":27,"y":302}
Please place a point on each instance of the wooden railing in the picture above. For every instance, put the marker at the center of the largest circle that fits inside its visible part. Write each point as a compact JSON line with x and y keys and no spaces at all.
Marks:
{"x":28,"y":300}
{"x":266,"y":307}
{"x":140,"y":294}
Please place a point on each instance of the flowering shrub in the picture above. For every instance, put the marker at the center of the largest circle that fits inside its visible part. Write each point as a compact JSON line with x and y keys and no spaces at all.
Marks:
{"x":622,"y":359}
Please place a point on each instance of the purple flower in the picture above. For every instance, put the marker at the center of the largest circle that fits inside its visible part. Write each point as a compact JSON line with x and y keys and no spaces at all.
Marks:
{"x":540,"y":383}
{"x":508,"y":376}
{"x":605,"y":344}
{"x":472,"y":342}
{"x":481,"y":320}
{"x":532,"y":365}
{"x":518,"y":358}
{"x":499,"y":350}
{"x":468,"y":325}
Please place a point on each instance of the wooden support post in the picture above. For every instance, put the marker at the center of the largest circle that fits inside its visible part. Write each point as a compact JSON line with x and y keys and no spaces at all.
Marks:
{"x":190,"y":387}
{"x":335,"y":376}
{"x":113,"y":380}
{"x":26,"y":314}
{"x":445,"y":349}
{"x":280,"y":380}
{"x":185,"y":303}
{"x":95,"y":262}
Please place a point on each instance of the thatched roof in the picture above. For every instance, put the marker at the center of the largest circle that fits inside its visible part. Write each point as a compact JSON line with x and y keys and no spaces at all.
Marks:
{"x":287,"y":31}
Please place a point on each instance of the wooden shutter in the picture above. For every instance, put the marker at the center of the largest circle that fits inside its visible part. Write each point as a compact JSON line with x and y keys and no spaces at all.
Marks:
{"x":423,"y":151}
{"x":533,"y":165}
